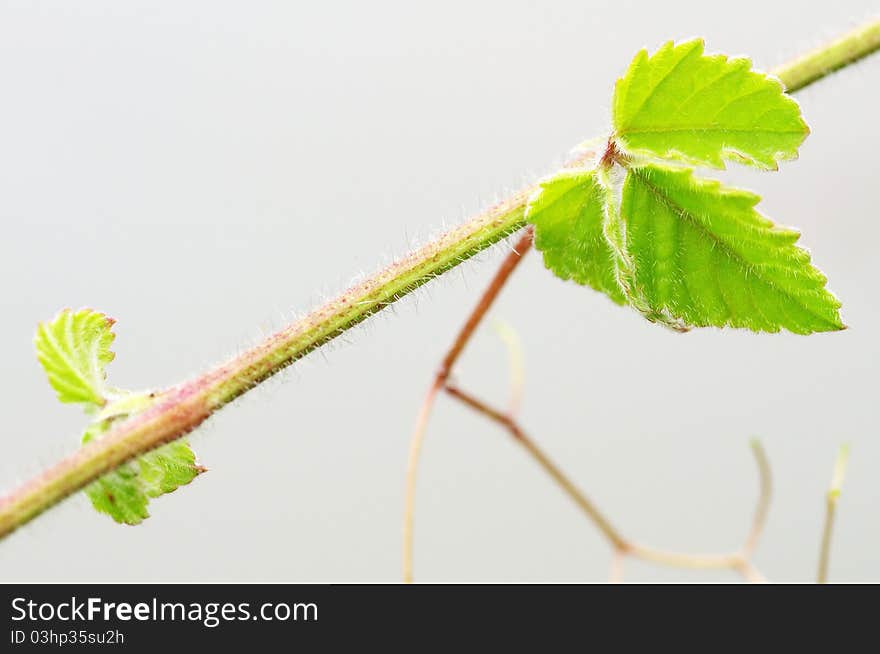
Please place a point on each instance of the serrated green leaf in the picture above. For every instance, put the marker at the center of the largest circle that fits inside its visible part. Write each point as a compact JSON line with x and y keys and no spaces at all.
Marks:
{"x":119,"y":493}
{"x":702,"y":254}
{"x":568,"y":215}
{"x":625,"y":267}
{"x":167,"y":468}
{"x":73,"y":349}
{"x":682,"y":104}
{"x":125,"y":492}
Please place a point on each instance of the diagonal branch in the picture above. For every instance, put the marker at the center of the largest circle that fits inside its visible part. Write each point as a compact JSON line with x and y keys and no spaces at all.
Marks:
{"x":738,"y":561}
{"x":188,"y":405}
{"x":569,"y":488}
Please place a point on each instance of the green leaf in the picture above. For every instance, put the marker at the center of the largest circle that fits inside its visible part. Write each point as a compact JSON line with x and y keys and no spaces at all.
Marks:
{"x":702,"y":254}
{"x":682,"y":104}
{"x":568,"y":215}
{"x":167,"y":468}
{"x":119,"y":493}
{"x":625,"y":267}
{"x":125,"y":492}
{"x":73,"y":349}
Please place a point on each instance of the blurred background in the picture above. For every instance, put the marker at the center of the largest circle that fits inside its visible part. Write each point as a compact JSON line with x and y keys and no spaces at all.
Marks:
{"x":207,"y":171}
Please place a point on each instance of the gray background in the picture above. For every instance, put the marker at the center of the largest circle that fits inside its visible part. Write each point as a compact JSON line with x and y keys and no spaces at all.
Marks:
{"x":205,"y":172}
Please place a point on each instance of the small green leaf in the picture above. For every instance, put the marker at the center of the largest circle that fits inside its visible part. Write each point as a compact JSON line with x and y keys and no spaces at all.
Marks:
{"x":167,"y":468}
{"x":682,"y":104}
{"x":124,"y":493}
{"x":73,"y":349}
{"x":568,"y":215}
{"x":702,"y":254}
{"x":119,"y":493}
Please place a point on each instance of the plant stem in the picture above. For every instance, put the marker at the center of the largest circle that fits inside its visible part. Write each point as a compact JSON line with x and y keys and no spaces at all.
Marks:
{"x":185,"y":407}
{"x":738,"y":561}
{"x":831,"y":498}
{"x":824,"y":60}
{"x":182,"y":409}
{"x":827,"y":530}
{"x":591,"y":510}
{"x":621,"y":547}
{"x":765,"y":481}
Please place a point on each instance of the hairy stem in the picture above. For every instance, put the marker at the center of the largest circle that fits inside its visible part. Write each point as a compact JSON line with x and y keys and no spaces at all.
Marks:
{"x":824,"y":60}
{"x":185,"y":407}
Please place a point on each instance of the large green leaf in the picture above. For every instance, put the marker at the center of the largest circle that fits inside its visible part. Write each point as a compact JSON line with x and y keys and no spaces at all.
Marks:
{"x":625,"y":266}
{"x":568,"y":215}
{"x":702,"y":254}
{"x":682,"y":104}
{"x":74,"y":349}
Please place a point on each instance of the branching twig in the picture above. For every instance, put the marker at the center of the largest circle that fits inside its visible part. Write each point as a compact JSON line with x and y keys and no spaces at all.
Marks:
{"x":590,"y":509}
{"x":511,"y":261}
{"x":739,"y":561}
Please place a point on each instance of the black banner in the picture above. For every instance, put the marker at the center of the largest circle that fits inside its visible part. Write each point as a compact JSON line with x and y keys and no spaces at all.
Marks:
{"x":146,"y":617}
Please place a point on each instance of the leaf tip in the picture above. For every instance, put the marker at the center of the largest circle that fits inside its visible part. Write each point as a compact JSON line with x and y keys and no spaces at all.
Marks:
{"x":693,"y":44}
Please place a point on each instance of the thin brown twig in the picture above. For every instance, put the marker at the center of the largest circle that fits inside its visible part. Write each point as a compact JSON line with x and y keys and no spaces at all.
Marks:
{"x":511,"y":261}
{"x":739,"y":561}
{"x":461,"y":340}
{"x":415,"y":449}
{"x":544,"y":461}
